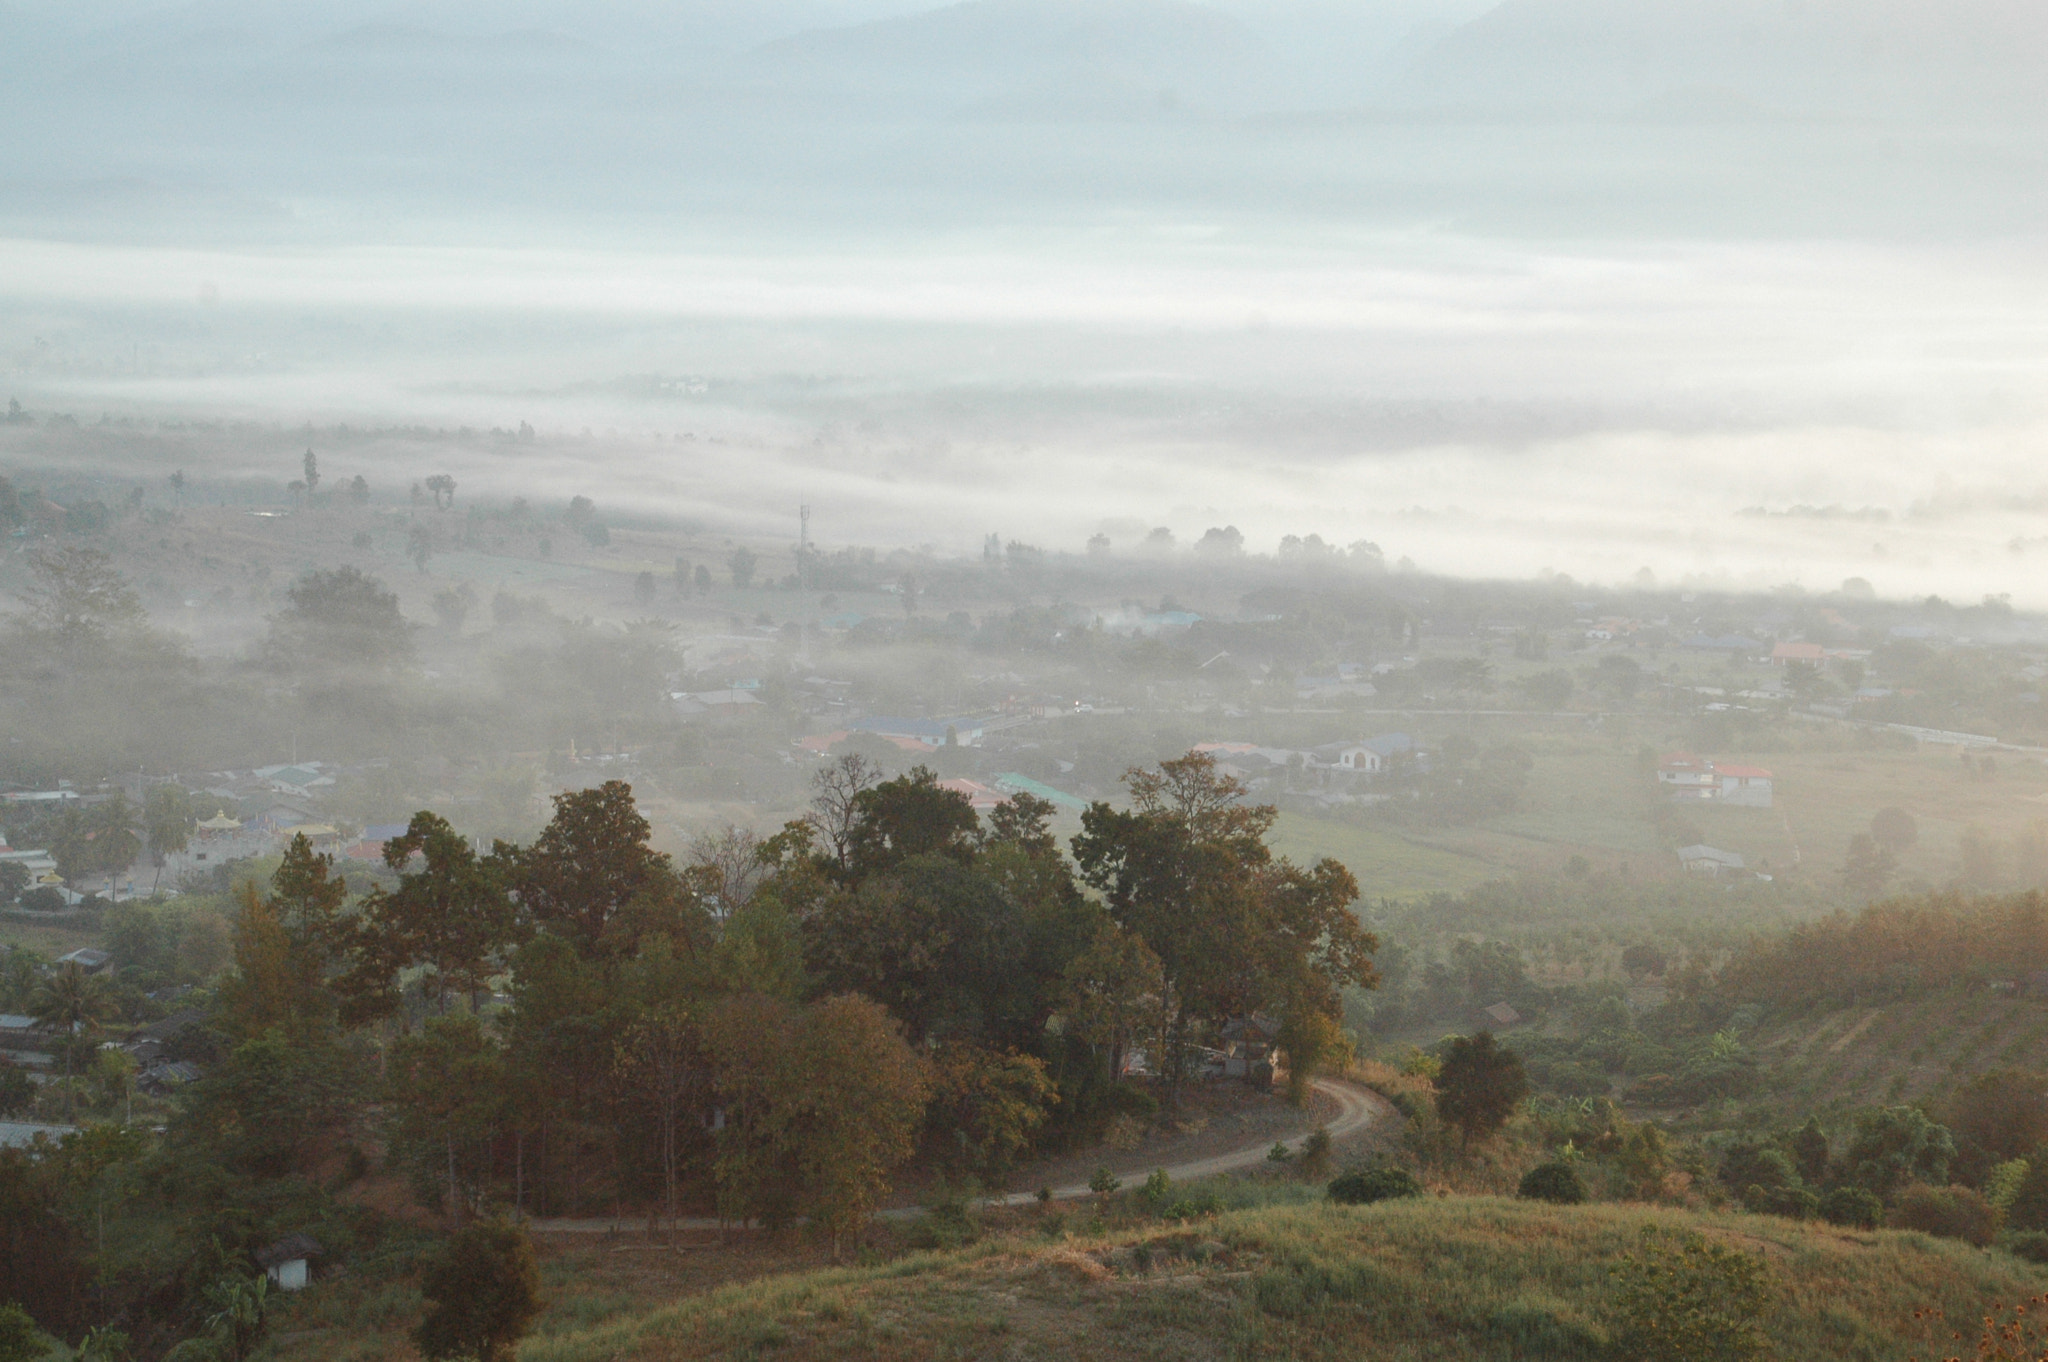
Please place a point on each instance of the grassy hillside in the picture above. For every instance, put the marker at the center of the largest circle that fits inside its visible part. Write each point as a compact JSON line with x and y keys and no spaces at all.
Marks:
{"x":1479,"y":1278}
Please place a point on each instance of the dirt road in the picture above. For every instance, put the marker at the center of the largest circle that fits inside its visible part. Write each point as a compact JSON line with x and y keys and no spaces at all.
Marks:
{"x":1359,"y":1109}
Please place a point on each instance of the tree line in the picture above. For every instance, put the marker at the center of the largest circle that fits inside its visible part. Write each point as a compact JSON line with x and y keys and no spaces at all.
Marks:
{"x":767,"y":1031}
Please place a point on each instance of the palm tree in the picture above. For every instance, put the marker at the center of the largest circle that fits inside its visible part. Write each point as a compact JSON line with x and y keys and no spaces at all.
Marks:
{"x":72,"y":1001}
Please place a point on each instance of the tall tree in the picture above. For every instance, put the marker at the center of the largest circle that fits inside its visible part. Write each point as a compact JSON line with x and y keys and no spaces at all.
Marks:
{"x":1480,"y":1085}
{"x":74,"y":1002}
{"x":446,"y":1091}
{"x":822,"y":1104}
{"x":909,"y":817}
{"x":167,"y":825}
{"x":1236,"y":932}
{"x":452,"y":915}
{"x":75,"y":596}
{"x":592,"y":877}
{"x":339,"y":618}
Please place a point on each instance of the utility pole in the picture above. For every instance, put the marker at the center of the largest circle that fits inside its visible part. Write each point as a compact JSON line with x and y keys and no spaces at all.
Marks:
{"x":803,"y":583}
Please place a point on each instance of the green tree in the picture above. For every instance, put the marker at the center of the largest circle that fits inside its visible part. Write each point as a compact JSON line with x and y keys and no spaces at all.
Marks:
{"x":742,"y":563}
{"x":822,"y":1104}
{"x":446,"y":1094}
{"x":74,"y":1002}
{"x":938,"y":944}
{"x":237,"y":1310}
{"x":1480,"y":1085}
{"x":1809,"y":1150}
{"x":308,"y":897}
{"x":1891,"y":1146}
{"x":911,"y":816}
{"x":483,"y":1290}
{"x":20,"y":1340}
{"x":339,"y":619}
{"x":75,"y":596}
{"x":166,"y":824}
{"x":592,"y":878}
{"x":452,"y":915}
{"x":270,"y":1105}
{"x":1236,"y":931}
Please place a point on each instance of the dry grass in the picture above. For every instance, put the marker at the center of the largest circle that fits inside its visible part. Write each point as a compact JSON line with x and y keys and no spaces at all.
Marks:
{"x":1479,"y":1278}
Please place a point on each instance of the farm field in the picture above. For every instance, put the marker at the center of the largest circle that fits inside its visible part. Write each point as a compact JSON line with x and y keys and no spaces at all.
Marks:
{"x":1923,"y":1047}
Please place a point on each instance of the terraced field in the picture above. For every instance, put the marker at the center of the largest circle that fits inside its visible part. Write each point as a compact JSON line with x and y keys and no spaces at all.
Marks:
{"x":1901,"y":1052}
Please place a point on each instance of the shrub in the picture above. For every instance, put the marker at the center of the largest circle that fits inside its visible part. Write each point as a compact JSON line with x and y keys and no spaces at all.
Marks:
{"x":1315,"y":1154}
{"x":1852,"y":1208}
{"x":1688,"y":1300}
{"x":2031,"y":1245}
{"x":1158,"y":1186}
{"x":484,"y":1287}
{"x":1480,"y":1085}
{"x":18,"y":1336}
{"x":1363,"y":1186}
{"x":1794,"y":1203}
{"x":1194,"y":1208}
{"x":1557,"y":1183}
{"x":1950,"y":1212}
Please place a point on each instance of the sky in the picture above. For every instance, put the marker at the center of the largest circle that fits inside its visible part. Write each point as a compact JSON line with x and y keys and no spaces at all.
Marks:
{"x":1743,"y":294}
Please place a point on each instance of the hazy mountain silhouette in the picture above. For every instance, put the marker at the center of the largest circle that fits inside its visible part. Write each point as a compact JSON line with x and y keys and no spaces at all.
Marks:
{"x":1962,"y":59}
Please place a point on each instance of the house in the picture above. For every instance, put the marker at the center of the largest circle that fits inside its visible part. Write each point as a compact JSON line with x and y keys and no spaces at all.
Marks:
{"x":86,"y":958}
{"x":285,"y":1262}
{"x":979,"y":795}
{"x":19,"y":1032}
{"x":1705,"y":860}
{"x":1248,"y":1045}
{"x":729,"y":701}
{"x":1801,"y":654}
{"x":24,"y":1134}
{"x":1686,"y":776}
{"x":823,"y":743}
{"x":956,"y":732}
{"x":1017,"y":783}
{"x":163,"y":1076}
{"x":1748,"y":787}
{"x":1352,"y":756}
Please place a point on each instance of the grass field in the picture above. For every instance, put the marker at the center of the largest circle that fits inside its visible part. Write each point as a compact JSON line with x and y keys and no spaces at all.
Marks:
{"x":50,"y":939}
{"x":1387,"y":864}
{"x":1462,"y":1279}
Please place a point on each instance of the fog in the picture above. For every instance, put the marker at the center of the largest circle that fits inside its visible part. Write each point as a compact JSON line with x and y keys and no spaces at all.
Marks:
{"x":1744,"y":294}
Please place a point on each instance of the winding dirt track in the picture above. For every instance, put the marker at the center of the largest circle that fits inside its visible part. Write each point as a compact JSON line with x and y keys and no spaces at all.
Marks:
{"x":1358,"y":1109}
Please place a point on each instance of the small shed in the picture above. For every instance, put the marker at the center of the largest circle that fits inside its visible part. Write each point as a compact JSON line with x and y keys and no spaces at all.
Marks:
{"x":286,"y":1261}
{"x":88,"y":959}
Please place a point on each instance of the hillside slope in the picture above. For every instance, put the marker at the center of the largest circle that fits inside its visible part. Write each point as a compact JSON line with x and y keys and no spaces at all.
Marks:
{"x":1479,"y":1278}
{"x":1920,"y":1047}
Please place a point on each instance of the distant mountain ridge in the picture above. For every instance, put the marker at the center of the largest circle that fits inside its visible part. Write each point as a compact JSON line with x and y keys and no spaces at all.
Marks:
{"x":1810,"y":58}
{"x":985,"y":50}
